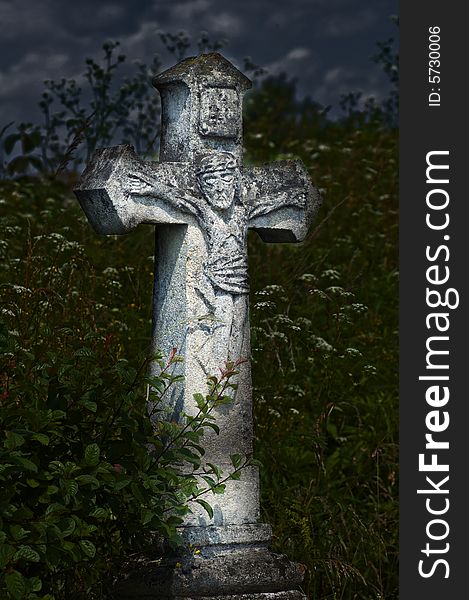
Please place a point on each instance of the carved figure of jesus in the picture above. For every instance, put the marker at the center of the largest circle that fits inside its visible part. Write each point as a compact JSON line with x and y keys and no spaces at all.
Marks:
{"x":223,"y":218}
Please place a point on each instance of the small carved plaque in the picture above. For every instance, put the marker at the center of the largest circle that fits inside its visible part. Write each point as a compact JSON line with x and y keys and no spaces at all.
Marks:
{"x":220,"y":112}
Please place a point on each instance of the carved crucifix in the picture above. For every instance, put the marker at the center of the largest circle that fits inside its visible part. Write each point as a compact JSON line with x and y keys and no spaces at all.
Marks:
{"x":203,"y":202}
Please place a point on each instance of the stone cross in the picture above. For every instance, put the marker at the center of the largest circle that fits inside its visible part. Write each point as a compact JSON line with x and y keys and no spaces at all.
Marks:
{"x":203,"y":201}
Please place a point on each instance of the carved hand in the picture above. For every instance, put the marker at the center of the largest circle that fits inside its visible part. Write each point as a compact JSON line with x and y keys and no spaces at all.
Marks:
{"x":297,"y":200}
{"x":139,"y":185}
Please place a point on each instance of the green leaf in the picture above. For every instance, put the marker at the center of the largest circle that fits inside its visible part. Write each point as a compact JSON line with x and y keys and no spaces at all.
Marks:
{"x":71,"y":487}
{"x":206,"y":506}
{"x":29,"y":142}
{"x":42,"y":438}
{"x":189,"y":456}
{"x":18,"y":165}
{"x":67,"y":526}
{"x":147,"y":516}
{"x":219,"y":489}
{"x":56,"y":507}
{"x":24,"y":463}
{"x":119,"y":485}
{"x":54,"y":555}
{"x":137,"y":493}
{"x":92,"y":455}
{"x":224,"y":400}
{"x":27,"y":553}
{"x":23,"y":513}
{"x":193,"y":436}
{"x":236,"y":460}
{"x":215,"y":428}
{"x":56,"y":466}
{"x":199,"y":449}
{"x":68,"y":546}
{"x":35,"y":584}
{"x":16,"y":584}
{"x":10,"y":142}
{"x":90,"y":405}
{"x":88,"y":548}
{"x":7,"y":126}
{"x":18,"y":532}
{"x":87,"y":480}
{"x":36,"y":162}
{"x":83,"y":352}
{"x":211,"y":482}
{"x":98,"y":513}
{"x":201,"y":402}
{"x":13,"y":440}
{"x":216,"y":470}
{"x":6,"y":553}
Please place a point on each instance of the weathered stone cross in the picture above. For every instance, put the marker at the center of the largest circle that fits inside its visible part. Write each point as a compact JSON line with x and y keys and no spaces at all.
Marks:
{"x":203,"y":201}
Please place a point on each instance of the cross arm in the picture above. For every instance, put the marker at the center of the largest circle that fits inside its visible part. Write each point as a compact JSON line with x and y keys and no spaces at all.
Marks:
{"x":106,"y":191}
{"x":281,"y":199}
{"x":144,"y":184}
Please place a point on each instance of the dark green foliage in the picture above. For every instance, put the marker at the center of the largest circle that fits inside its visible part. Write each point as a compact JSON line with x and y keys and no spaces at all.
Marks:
{"x":87,"y":474}
{"x":324,"y":333}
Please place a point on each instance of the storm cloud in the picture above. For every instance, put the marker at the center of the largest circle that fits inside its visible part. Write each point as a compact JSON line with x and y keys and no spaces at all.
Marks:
{"x":325,"y":45}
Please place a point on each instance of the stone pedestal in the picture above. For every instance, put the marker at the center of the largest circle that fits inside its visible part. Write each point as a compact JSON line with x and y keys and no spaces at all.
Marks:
{"x":217,"y":563}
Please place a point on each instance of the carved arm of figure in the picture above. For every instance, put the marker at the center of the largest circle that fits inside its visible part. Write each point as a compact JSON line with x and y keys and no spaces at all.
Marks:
{"x":143,"y":184}
{"x":295,"y":198}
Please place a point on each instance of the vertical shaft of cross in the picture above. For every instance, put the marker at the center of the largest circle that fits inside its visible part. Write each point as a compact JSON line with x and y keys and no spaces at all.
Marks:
{"x":201,"y":116}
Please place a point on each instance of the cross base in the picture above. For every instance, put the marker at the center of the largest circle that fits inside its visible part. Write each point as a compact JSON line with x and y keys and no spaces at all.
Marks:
{"x":218,"y":563}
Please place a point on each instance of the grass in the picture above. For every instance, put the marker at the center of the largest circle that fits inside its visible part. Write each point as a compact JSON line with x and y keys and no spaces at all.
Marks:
{"x":324,"y":318}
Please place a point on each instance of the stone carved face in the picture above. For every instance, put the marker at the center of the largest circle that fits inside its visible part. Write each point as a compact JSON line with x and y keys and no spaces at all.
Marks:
{"x":218,"y":177}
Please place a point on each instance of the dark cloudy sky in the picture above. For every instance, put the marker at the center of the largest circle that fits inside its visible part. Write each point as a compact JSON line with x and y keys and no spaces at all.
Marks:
{"x":325,"y":44}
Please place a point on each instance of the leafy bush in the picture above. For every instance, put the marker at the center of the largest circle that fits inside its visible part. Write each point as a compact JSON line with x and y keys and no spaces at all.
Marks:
{"x":80,"y":486}
{"x":87,"y":472}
